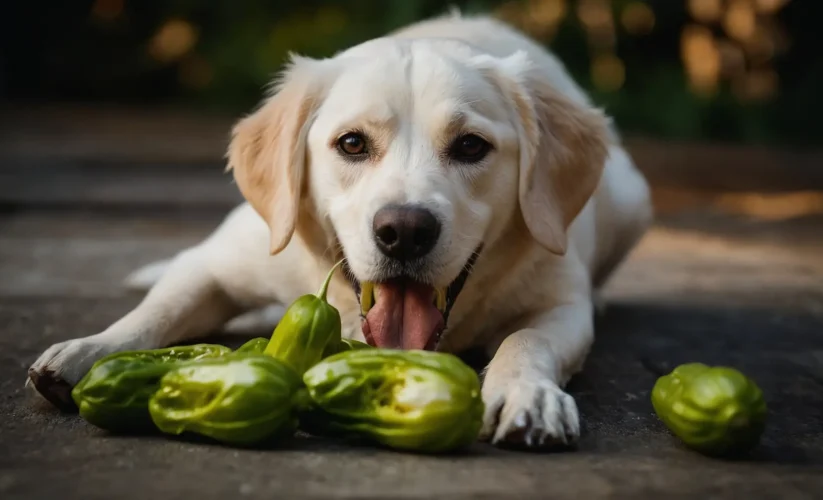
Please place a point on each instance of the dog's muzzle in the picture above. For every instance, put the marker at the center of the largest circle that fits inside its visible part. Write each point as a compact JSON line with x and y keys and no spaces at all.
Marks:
{"x":399,"y":312}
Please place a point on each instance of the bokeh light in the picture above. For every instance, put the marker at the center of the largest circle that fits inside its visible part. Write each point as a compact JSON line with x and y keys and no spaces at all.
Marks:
{"x":608,"y":72}
{"x":637,"y":18}
{"x":706,"y":11}
{"x":172,"y":41}
{"x":701,"y":58}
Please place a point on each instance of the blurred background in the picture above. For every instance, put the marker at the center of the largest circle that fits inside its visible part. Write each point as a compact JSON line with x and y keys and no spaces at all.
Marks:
{"x":740,"y":71}
{"x":717,"y":99}
{"x":114,"y":121}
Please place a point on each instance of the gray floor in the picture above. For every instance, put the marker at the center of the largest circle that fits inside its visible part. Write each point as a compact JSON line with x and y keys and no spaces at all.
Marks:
{"x":705,"y":285}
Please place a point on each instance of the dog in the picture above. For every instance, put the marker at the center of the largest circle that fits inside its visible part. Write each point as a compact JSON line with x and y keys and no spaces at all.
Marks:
{"x":476,"y":195}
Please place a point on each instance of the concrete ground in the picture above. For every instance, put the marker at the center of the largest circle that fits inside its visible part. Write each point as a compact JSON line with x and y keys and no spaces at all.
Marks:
{"x":725,"y":278}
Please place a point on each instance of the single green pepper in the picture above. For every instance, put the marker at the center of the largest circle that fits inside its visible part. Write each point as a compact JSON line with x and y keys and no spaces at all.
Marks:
{"x":308,"y":327}
{"x":351,"y":344}
{"x":345,"y":345}
{"x":407,"y":400}
{"x":714,"y":410}
{"x":241,"y":399}
{"x":114,"y":394}
{"x":257,"y":345}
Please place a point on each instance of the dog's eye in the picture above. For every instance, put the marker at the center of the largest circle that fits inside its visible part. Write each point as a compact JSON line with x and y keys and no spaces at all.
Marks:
{"x":469,"y":148}
{"x":352,"y":144}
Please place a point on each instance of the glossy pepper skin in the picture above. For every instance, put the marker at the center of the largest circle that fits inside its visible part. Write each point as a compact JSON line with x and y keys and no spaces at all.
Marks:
{"x":307,"y":330}
{"x":714,"y":410}
{"x":407,"y":400}
{"x":257,"y":345}
{"x":345,"y":345}
{"x":242,"y":399}
{"x":115,"y":393}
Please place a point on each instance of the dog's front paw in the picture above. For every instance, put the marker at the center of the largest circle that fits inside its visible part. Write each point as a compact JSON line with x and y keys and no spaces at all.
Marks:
{"x":535,"y":414}
{"x":61,"y":366}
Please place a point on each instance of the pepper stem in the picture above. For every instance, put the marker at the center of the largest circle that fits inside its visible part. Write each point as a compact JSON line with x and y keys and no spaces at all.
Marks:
{"x":325,"y":288}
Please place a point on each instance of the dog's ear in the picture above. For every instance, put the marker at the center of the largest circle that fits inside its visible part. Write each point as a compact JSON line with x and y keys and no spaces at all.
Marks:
{"x":267,"y":152}
{"x":563,"y":148}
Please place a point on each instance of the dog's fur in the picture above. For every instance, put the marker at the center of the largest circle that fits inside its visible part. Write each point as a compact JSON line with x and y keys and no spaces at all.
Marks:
{"x":556,"y":206}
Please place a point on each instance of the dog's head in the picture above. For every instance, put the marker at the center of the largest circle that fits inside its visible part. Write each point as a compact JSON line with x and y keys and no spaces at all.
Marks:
{"x":410,"y":157}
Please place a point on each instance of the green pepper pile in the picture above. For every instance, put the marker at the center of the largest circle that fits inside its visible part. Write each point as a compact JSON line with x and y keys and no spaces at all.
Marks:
{"x":306,"y":376}
{"x":115,"y":393}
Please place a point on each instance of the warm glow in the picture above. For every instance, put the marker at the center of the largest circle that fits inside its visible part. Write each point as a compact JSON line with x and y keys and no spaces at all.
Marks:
{"x":510,"y":12}
{"x":539,"y":18}
{"x":594,"y":14}
{"x":596,"y":17}
{"x":174,"y":40}
{"x":608,"y":72}
{"x":701,"y":57}
{"x":769,"y":6}
{"x":637,"y":18}
{"x":547,"y":12}
{"x":773,"y":206}
{"x":756,"y":86}
{"x":739,"y":21}
{"x":706,"y":10}
{"x":761,"y":46}
{"x":196,"y":72}
{"x":107,"y":10}
{"x":732,"y":58}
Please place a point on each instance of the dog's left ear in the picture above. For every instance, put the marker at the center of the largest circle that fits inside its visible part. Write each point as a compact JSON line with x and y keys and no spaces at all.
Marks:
{"x":563,"y":149}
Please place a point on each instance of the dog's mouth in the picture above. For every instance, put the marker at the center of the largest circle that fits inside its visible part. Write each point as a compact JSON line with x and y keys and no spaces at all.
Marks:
{"x":402,"y":313}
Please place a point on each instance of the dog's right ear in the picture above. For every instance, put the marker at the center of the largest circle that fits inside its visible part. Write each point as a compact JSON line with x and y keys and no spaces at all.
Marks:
{"x":267,"y":152}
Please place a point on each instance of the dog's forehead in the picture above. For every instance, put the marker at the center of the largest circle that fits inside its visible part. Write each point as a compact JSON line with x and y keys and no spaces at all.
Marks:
{"x":387,"y":77}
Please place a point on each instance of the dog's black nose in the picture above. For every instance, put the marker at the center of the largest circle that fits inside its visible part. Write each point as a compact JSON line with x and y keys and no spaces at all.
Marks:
{"x":405,"y":232}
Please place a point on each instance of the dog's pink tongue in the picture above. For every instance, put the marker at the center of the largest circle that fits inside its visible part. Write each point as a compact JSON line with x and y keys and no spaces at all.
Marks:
{"x":402,"y":317}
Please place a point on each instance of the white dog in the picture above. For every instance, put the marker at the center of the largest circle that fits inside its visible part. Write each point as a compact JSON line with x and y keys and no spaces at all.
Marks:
{"x":477,"y":196}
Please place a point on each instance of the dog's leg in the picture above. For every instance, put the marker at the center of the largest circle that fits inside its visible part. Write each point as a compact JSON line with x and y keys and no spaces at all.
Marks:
{"x":257,"y":322}
{"x":525,"y":404}
{"x":147,"y":276}
{"x":186,"y":302}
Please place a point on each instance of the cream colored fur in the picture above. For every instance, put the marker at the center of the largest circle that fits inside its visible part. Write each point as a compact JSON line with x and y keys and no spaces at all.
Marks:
{"x":557,"y":206}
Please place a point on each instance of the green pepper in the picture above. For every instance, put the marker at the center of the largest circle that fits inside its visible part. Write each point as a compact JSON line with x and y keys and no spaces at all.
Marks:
{"x":407,"y":400}
{"x":257,"y":345}
{"x":714,"y":410}
{"x":114,"y":394}
{"x":241,"y":399}
{"x":308,"y":327}
{"x":351,"y":344}
{"x":345,"y":345}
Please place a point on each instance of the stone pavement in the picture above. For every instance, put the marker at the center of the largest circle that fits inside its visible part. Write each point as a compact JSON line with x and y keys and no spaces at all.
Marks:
{"x":716,"y":281}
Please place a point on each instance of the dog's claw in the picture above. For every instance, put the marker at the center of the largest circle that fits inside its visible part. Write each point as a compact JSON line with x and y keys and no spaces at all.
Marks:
{"x":531,"y":415}
{"x":55,"y":390}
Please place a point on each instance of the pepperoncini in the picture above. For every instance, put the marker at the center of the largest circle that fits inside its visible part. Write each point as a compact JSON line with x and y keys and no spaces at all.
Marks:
{"x":114,"y":394}
{"x":309,"y":328}
{"x":714,"y":410}
{"x":408,"y":400}
{"x":242,"y":399}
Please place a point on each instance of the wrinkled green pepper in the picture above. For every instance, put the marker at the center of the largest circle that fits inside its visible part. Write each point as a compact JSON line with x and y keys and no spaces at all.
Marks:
{"x":114,"y":394}
{"x":307,"y":330}
{"x":345,"y":345}
{"x":257,"y":345}
{"x":714,"y":410}
{"x":242,"y":399}
{"x":407,"y":400}
{"x":351,"y":344}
